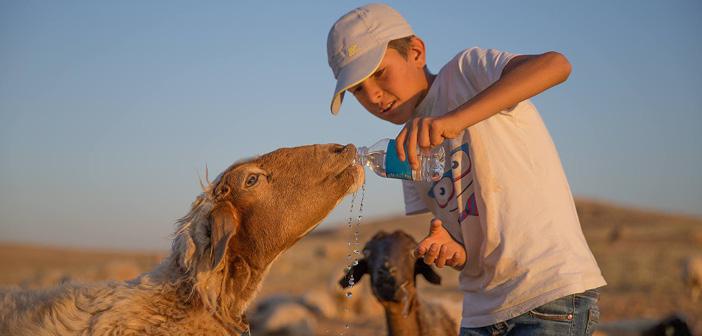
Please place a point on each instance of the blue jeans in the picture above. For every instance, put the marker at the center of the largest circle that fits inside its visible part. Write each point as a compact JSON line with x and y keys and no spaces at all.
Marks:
{"x":573,"y":315}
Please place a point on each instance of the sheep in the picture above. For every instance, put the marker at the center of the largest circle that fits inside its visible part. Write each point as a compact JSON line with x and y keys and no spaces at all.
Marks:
{"x":221,"y":251}
{"x":674,"y":324}
{"x":393,"y":268}
{"x":692,"y":275}
{"x":282,"y":315}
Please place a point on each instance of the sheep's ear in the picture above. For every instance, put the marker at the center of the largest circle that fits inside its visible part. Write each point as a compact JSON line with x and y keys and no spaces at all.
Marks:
{"x":224,"y":223}
{"x":420,"y":267}
{"x":357,"y":271}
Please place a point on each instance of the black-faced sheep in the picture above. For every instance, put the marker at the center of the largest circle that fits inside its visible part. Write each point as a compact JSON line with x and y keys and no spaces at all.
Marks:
{"x":393,"y":268}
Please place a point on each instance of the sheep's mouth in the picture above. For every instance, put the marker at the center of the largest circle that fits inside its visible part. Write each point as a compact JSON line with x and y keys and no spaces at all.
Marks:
{"x":387,"y":294}
{"x":358,"y":177}
{"x":354,"y":169}
{"x":384,"y":287}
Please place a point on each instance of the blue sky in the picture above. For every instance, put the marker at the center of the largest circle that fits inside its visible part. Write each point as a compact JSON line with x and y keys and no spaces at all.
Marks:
{"x":109,"y":111}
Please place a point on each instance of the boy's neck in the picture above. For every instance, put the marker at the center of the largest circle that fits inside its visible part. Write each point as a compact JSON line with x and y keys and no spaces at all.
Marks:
{"x":429,"y":78}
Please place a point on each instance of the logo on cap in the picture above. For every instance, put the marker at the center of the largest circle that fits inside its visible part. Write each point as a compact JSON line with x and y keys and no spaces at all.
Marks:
{"x":352,"y":50}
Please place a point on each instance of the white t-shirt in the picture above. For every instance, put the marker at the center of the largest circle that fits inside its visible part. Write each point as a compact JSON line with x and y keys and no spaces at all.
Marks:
{"x":506,"y":198}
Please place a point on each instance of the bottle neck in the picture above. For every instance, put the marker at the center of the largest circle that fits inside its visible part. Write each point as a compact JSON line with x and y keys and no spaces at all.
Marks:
{"x":362,"y":156}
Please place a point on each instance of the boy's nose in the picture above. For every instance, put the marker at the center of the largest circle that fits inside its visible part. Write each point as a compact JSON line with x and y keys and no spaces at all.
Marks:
{"x":373,"y":92}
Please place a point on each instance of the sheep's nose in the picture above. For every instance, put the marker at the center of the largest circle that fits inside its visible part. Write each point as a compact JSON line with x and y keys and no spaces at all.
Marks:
{"x":341,"y":149}
{"x":384,"y":286}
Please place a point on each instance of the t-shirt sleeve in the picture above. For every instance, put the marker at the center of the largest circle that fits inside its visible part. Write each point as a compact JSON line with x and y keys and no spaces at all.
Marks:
{"x":482,"y":67}
{"x":413,"y":202}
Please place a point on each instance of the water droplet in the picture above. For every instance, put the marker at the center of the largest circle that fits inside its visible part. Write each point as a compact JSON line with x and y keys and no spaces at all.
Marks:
{"x":353,"y":243}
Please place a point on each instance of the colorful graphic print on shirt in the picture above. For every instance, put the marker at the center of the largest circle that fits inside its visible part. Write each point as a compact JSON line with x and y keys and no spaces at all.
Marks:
{"x":458,"y":178}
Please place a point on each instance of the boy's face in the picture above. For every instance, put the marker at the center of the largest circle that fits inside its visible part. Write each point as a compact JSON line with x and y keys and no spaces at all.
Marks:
{"x":393,"y":91}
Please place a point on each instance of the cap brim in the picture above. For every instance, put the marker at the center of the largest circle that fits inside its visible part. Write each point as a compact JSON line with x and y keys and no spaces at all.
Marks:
{"x":355,"y":72}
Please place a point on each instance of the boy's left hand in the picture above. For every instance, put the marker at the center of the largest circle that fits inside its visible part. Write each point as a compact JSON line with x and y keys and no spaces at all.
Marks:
{"x":425,"y":132}
{"x":440,"y":248}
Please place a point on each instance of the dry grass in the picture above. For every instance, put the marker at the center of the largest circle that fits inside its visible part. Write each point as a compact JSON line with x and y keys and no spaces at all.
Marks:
{"x":641,"y":261}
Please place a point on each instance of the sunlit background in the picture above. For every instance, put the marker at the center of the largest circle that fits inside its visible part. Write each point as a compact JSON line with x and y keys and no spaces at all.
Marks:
{"x":109,"y":111}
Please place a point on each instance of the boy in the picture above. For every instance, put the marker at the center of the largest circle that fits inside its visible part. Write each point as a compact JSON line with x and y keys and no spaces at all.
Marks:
{"x":505,"y":217}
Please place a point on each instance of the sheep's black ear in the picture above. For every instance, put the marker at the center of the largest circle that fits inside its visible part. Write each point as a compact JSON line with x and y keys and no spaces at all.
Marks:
{"x":224,"y":223}
{"x":420,"y":267}
{"x":357,"y":271}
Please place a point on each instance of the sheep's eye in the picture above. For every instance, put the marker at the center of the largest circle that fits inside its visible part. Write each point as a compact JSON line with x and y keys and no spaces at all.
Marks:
{"x":252,"y":180}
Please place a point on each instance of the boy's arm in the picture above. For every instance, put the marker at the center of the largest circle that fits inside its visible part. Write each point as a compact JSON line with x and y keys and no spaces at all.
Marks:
{"x":523,"y":77}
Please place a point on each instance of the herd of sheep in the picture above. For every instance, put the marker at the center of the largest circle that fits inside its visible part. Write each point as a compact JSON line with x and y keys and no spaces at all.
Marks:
{"x":222,"y":251}
{"x":305,"y":314}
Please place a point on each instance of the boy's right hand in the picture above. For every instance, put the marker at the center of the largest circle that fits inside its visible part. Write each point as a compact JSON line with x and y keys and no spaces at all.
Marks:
{"x":440,"y":248}
{"x":425,"y":133}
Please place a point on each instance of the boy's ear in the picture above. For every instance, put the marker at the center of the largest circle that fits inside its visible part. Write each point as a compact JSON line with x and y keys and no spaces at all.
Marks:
{"x":417,"y":52}
{"x":357,"y":271}
{"x":420,"y":267}
{"x":224,"y":223}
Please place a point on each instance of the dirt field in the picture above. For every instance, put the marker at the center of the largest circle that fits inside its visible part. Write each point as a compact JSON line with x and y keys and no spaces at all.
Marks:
{"x":639,"y":252}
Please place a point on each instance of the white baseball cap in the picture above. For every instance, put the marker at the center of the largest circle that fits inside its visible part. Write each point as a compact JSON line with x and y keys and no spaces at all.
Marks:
{"x":357,"y":42}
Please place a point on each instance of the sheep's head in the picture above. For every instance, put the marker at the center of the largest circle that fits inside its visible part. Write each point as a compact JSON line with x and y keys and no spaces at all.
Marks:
{"x":392,"y":266}
{"x":275,"y":199}
{"x":257,"y":209}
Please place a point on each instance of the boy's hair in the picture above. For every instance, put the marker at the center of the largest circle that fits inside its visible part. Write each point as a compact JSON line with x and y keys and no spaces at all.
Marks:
{"x":402,"y":45}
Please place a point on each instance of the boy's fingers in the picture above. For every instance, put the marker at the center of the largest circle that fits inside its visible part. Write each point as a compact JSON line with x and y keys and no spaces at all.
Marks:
{"x":424,"y":132}
{"x":451,"y":261}
{"x":412,"y":144}
{"x":443,"y":255}
{"x":458,"y":259}
{"x":435,"y":226}
{"x":436,"y":135}
{"x":431,"y":254}
{"x":422,"y":247}
{"x":420,"y":251}
{"x":400,"y":144}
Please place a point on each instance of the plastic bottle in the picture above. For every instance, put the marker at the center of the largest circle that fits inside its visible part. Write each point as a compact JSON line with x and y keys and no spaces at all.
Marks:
{"x":382,"y":159}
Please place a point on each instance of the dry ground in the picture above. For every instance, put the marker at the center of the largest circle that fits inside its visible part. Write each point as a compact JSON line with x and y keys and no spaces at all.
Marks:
{"x":640,"y":254}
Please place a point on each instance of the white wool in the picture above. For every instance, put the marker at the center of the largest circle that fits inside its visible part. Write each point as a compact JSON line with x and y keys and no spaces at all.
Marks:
{"x":165,"y":301}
